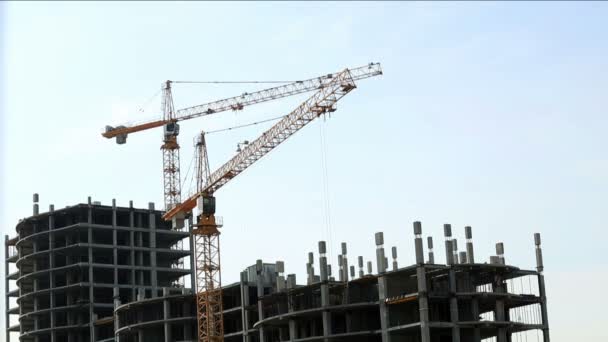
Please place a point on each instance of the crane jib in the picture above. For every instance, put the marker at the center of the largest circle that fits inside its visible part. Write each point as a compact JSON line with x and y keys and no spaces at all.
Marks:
{"x":246,"y":99}
{"x":323,"y":101}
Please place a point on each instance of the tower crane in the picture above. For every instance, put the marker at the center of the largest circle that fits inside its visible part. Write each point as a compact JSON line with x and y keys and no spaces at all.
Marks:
{"x":329,"y":90}
{"x":171,"y":118}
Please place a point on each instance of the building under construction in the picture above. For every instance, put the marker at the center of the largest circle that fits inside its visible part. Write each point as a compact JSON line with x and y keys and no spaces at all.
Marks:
{"x":91,"y":272}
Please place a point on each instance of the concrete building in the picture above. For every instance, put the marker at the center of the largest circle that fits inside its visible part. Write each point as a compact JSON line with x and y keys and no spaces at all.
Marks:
{"x":462,"y":300}
{"x":65,"y":268}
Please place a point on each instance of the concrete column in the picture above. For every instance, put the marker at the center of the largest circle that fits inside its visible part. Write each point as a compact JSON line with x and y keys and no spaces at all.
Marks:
{"x":6,"y":291}
{"x":455,"y":250}
{"x":114,"y":243}
{"x":325,"y":316}
{"x":259,"y":267}
{"x":186,"y":312}
{"x":69,"y":300}
{"x":449,"y":253}
{"x":541,"y":288}
{"x":380,"y":258}
{"x":340,"y":272}
{"x":382,"y":287}
{"x":91,"y":273}
{"x":384,"y":317}
{"x":116,"y":294}
{"x":140,"y":261}
{"x":423,"y":302}
{"x":454,"y":306}
{"x":167,"y":315}
{"x":280,"y":281}
{"x":310,"y":268}
{"x":369,"y":267}
{"x":499,"y":286}
{"x":475,"y":309}
{"x":360,"y":262}
{"x":468,"y":232}
{"x":36,"y":287}
{"x":35,"y":207}
{"x":21,"y":292}
{"x":52,"y":274}
{"x":154,"y":269}
{"x":192,"y":261}
{"x":500,"y":252}
{"x":132,"y":262}
{"x":394,"y":255}
{"x":499,"y":311}
{"x":141,"y":333}
{"x":431,"y":253}
{"x":293,"y":328}
{"x":245,"y":302}
{"x":344,"y":262}
{"x":463,"y":257}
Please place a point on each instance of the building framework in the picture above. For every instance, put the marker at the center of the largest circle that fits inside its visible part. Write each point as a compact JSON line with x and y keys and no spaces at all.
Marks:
{"x":65,"y":268}
{"x":461,"y":301}
{"x":105,"y":273}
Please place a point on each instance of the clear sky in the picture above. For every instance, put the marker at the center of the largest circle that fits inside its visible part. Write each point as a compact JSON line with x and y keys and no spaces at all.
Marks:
{"x":489,"y":114}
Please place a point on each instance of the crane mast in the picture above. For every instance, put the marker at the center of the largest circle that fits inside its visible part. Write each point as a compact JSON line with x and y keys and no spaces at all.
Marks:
{"x":170,"y":150}
{"x":206,"y":236}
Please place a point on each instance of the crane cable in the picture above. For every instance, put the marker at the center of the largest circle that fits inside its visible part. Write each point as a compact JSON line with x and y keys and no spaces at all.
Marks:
{"x":325,"y":188}
{"x":147,"y":103}
{"x":185,"y":179}
{"x":233,"y":82}
{"x":244,"y":125}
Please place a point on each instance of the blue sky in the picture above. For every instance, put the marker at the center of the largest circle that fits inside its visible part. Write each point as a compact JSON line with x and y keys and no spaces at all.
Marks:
{"x":489,"y":114}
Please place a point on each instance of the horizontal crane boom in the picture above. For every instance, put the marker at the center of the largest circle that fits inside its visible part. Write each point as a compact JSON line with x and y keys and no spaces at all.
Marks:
{"x":246,"y":99}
